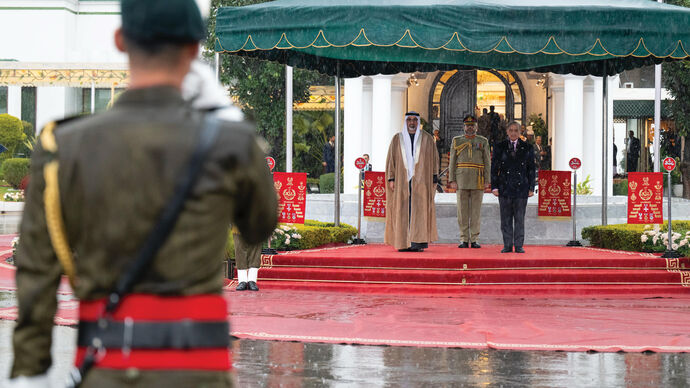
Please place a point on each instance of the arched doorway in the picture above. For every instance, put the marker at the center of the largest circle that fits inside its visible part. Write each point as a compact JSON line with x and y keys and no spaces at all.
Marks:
{"x":455,"y":94}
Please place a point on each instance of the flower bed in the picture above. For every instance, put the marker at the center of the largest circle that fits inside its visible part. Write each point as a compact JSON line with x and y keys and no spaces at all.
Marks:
{"x":312,"y":234}
{"x":13,"y":196}
{"x":639,"y":238}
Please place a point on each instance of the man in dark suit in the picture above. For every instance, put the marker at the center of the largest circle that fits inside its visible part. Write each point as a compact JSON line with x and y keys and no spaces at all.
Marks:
{"x":512,"y":181}
{"x":633,"y":145}
{"x":329,"y":156}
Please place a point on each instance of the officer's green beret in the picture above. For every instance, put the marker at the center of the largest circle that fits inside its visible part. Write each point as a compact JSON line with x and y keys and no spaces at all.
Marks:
{"x":162,"y":21}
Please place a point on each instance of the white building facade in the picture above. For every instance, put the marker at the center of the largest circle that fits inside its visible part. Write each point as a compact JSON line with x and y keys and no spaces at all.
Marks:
{"x":572,"y":107}
{"x":58,"y":58}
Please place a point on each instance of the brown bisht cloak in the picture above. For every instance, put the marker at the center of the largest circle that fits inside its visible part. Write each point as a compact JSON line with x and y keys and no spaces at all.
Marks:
{"x":419,"y":224}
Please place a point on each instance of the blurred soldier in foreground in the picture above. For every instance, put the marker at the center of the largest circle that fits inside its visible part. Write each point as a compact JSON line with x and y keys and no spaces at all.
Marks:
{"x":99,"y":205}
{"x":412,"y":174}
{"x":469,"y":172}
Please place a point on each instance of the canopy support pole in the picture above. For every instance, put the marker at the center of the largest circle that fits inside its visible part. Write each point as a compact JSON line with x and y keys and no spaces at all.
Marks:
{"x":336,"y":186}
{"x":657,"y":116}
{"x":288,"y":118}
{"x":605,"y":149}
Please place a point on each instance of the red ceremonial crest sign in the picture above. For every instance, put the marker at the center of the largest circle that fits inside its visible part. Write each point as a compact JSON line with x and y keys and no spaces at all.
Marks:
{"x":291,"y":188}
{"x":360,"y":163}
{"x":669,"y":164}
{"x":645,"y":198}
{"x":271,"y":163}
{"x":575,"y":163}
{"x":374,"y":194}
{"x":554,"y":194}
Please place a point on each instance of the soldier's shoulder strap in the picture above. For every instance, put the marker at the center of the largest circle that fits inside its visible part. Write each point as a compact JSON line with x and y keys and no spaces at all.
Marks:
{"x":51,"y":202}
{"x":482,"y":139}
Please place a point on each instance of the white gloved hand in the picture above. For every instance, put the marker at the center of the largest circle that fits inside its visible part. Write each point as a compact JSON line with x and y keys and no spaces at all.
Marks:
{"x":38,"y":381}
{"x":203,"y":91}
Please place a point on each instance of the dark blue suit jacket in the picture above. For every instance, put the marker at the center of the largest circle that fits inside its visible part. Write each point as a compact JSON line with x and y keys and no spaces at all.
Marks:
{"x":513,"y":173}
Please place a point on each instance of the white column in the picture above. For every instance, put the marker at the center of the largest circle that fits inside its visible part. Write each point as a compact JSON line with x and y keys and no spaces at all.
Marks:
{"x":352,"y":141}
{"x":288,"y":118}
{"x":14,"y":101}
{"x":569,"y":134}
{"x":50,"y":105}
{"x":398,"y":101}
{"x":381,"y":120}
{"x":366,"y":116}
{"x":558,"y":146}
{"x":591,"y":134}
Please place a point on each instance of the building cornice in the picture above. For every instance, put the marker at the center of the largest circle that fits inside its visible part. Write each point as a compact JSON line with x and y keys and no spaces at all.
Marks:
{"x":75,"y":7}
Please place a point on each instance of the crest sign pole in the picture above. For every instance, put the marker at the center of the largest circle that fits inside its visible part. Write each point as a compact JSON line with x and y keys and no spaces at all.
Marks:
{"x":575,"y":163}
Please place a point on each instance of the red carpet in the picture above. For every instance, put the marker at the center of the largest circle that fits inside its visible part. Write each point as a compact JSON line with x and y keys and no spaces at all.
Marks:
{"x":444,"y":269}
{"x":475,"y":321}
{"x":616,"y":316}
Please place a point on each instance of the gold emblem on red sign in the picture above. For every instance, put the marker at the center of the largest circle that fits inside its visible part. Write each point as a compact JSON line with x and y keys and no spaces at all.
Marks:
{"x":646,"y":194}
{"x":289,"y":194}
{"x":554,"y":190}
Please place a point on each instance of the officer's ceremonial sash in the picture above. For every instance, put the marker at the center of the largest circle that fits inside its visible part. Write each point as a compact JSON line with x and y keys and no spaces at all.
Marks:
{"x":152,"y":332}
{"x":476,"y":166}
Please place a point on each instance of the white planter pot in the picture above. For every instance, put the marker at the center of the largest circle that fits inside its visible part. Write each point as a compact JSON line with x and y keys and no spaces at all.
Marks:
{"x":678,"y":190}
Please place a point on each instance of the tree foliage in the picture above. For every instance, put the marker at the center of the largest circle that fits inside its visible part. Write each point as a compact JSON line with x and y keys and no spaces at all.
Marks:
{"x":677,"y":81}
{"x":259,"y":87}
{"x":11,"y":134}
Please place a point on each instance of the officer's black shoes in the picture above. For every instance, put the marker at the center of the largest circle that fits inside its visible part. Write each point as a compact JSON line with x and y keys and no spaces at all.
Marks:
{"x":464,"y":245}
{"x":422,"y":245}
{"x":475,"y":245}
{"x":252,"y":286}
{"x":519,"y":250}
{"x":242,"y":286}
{"x":507,"y":249}
{"x":411,"y":249}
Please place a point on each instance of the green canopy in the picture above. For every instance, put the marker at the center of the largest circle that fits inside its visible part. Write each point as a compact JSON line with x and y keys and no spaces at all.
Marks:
{"x":639,"y":109}
{"x":581,"y":37}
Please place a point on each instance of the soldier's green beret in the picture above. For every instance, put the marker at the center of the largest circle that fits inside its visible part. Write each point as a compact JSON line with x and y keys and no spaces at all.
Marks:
{"x":174,"y":21}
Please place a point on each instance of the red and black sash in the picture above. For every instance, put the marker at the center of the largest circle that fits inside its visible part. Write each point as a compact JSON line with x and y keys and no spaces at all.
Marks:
{"x":158,"y":332}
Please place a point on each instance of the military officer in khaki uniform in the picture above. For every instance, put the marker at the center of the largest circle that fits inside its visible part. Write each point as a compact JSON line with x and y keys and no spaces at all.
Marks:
{"x":469,"y":172}
{"x":248,"y":261}
{"x":98,"y":187}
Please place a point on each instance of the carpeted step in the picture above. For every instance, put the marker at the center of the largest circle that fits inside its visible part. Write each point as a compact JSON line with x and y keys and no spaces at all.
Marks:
{"x":519,"y":276}
{"x":444,"y":269}
{"x":573,"y":290}
{"x":450,"y":257}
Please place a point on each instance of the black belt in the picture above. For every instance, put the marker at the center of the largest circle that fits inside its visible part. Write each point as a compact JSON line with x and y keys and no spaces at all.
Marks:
{"x":185,"y":334}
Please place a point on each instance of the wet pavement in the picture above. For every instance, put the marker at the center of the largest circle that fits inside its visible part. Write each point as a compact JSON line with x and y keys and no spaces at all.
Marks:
{"x":296,"y":364}
{"x":9,"y":222}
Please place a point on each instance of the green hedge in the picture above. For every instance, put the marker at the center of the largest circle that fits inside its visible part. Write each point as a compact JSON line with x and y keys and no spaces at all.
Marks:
{"x":14,"y":170}
{"x":313,"y":234}
{"x":326,"y":183}
{"x":627,"y":237}
{"x":620,"y":187}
